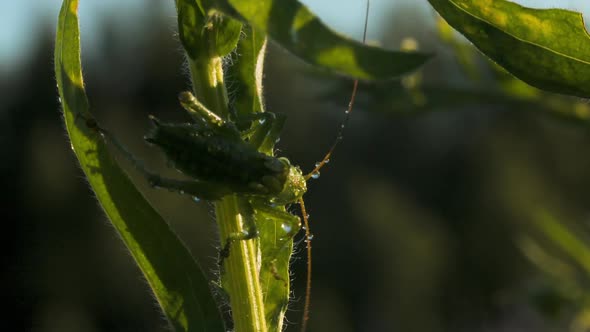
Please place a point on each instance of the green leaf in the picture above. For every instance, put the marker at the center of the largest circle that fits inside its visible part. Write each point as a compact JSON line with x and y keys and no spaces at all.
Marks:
{"x":546,"y":48}
{"x":276,"y":253}
{"x":245,"y":73}
{"x":294,"y":27}
{"x":205,"y":33}
{"x":179,"y":284}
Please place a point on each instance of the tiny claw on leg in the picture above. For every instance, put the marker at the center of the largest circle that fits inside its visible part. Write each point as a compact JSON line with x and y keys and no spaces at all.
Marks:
{"x":225,"y":250}
{"x":224,"y":253}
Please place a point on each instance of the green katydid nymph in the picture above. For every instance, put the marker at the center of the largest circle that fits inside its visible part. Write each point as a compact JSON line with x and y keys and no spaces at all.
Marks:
{"x":221,"y":160}
{"x":214,"y":152}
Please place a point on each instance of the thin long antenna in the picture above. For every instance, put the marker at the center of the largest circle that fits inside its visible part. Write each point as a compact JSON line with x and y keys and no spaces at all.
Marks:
{"x":344,"y":123}
{"x":315,"y":172}
{"x":308,"y":237}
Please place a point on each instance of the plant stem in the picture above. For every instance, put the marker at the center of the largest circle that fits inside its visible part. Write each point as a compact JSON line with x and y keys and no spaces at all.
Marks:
{"x":241,"y":270}
{"x":240,"y":277}
{"x":208,"y":85}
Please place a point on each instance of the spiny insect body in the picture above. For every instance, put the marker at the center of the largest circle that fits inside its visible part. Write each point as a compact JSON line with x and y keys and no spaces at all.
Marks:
{"x":218,"y":155}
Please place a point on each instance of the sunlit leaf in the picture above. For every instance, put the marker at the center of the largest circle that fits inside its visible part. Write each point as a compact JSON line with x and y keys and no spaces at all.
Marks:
{"x":177,"y":281}
{"x":276,"y":250}
{"x":245,"y":73}
{"x":547,"y":48}
{"x":293,"y":26}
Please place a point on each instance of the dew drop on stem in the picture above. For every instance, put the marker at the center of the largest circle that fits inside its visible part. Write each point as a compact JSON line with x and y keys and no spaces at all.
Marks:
{"x":287,"y":228}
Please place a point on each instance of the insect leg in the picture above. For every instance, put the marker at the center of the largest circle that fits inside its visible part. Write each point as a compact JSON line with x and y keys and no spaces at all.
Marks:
{"x":198,"y":111}
{"x":198,"y":189}
{"x":267,"y":134}
{"x":201,"y":189}
{"x":248,"y":232}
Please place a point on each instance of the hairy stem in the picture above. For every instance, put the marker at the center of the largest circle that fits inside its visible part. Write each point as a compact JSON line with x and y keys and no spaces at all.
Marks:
{"x":208,"y":85}
{"x":241,"y":269}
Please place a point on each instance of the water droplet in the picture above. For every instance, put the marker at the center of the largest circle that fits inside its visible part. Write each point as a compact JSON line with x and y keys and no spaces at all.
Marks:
{"x":196,"y":199}
{"x":309,"y":237}
{"x":181,"y":192}
{"x":315,"y":175}
{"x":287,"y":228}
{"x":307,"y":216}
{"x":326,"y":161}
{"x":341,"y":126}
{"x":318,"y":164}
{"x":59,"y":99}
{"x":278,"y":140}
{"x":303,"y":227}
{"x":347,"y":111}
{"x":262,"y":120}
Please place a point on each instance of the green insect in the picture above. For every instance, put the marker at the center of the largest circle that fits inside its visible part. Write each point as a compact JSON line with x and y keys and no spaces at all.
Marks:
{"x":222,"y":160}
{"x":215,"y":153}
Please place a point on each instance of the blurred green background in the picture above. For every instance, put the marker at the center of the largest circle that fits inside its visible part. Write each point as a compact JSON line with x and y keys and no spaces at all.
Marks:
{"x":458,"y":200}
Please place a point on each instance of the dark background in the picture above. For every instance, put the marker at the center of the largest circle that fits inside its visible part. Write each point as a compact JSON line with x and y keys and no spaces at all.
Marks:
{"x":426,"y":219}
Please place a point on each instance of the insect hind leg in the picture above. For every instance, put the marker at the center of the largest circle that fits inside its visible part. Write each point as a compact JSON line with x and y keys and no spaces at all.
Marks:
{"x":200,"y":189}
{"x":198,"y":111}
{"x":249,"y":231}
{"x":267,"y":133}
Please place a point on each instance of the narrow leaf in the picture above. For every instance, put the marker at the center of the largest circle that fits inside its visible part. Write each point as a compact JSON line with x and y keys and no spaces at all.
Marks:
{"x":177,"y":281}
{"x":546,"y":48}
{"x":245,"y":74}
{"x":276,"y":250}
{"x":293,"y":26}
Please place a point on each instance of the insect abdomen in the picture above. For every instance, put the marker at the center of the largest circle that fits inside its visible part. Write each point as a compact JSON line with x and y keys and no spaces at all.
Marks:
{"x":203,"y":154}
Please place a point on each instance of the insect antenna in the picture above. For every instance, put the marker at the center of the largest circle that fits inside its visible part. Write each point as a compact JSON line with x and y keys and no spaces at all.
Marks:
{"x":308,"y":237}
{"x":316,"y":171}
